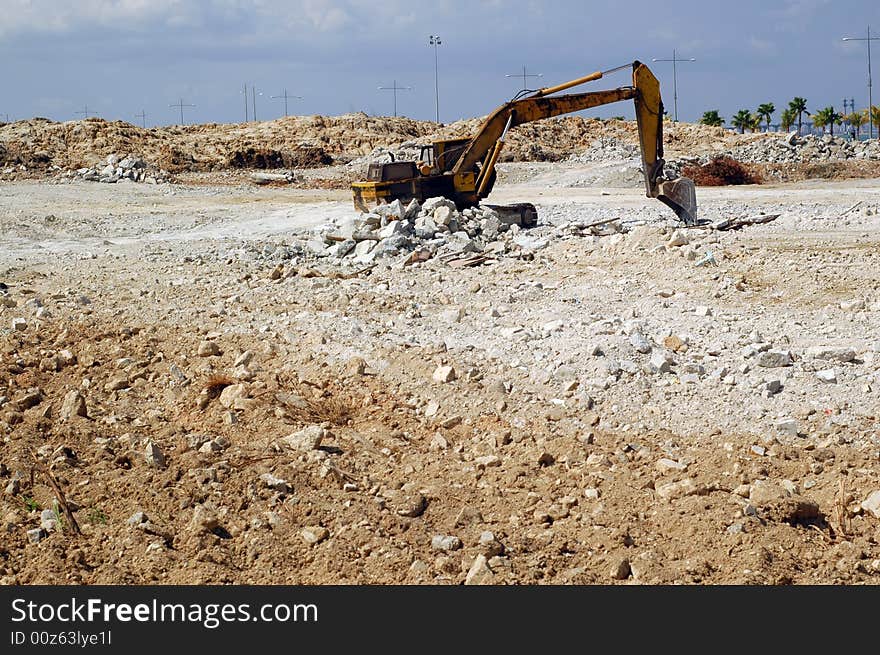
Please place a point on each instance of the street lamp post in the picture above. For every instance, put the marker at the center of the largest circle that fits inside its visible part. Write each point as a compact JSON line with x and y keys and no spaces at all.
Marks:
{"x":868,"y":40}
{"x":435,"y":41}
{"x":674,"y":61}
{"x":254,"y":99}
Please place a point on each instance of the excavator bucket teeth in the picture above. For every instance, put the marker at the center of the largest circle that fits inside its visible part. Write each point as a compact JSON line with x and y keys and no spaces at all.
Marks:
{"x":680,"y":195}
{"x":523,"y":213}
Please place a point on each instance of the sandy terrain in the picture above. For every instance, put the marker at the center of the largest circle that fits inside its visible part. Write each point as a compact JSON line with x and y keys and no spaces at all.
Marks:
{"x":217,"y":406}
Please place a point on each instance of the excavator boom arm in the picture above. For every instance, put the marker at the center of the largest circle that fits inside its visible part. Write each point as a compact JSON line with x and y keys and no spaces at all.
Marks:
{"x":532,"y":109}
{"x":645,"y":92}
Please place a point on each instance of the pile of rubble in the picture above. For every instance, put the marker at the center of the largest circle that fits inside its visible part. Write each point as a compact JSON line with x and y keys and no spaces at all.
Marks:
{"x":606,"y":149}
{"x":790,"y":148}
{"x":419,"y":232}
{"x":794,"y":148}
{"x":120,"y":169}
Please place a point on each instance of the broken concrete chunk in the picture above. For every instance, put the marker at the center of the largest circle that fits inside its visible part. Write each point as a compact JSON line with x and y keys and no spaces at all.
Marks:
{"x":829,"y":375}
{"x":154,"y":455}
{"x":208,"y":349}
{"x":73,"y":405}
{"x":775,"y":358}
{"x":871,"y":504}
{"x":307,"y":439}
{"x":480,"y":573}
{"x":832,"y":353}
{"x":444,"y":374}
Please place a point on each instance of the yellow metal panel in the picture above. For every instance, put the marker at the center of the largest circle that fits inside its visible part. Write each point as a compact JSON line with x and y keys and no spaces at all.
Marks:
{"x":649,"y":115}
{"x":464,"y":182}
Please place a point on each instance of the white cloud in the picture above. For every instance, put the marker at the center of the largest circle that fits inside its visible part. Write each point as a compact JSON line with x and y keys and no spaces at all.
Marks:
{"x":25,"y":17}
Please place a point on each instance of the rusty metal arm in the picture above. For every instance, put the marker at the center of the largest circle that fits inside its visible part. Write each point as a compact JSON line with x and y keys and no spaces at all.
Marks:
{"x":528,"y":110}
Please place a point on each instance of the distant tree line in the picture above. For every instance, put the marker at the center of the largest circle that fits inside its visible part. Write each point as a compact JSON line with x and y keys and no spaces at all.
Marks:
{"x":823,"y":119}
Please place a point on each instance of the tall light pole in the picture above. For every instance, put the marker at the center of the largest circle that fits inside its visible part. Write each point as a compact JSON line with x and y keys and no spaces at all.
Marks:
{"x":254,"y":98}
{"x":524,"y":75}
{"x":674,"y":61}
{"x":868,"y":40}
{"x":246,"y":116}
{"x":435,"y":41}
{"x":395,"y":88}
{"x":285,"y":96}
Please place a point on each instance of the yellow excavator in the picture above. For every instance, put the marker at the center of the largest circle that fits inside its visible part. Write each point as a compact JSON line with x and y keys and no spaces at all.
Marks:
{"x":463,"y":170}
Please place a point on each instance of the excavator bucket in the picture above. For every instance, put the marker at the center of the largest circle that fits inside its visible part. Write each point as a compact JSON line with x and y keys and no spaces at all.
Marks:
{"x":680,"y":195}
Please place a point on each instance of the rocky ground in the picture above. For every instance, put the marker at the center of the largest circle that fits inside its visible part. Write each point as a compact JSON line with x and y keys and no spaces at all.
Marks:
{"x":197,"y":385}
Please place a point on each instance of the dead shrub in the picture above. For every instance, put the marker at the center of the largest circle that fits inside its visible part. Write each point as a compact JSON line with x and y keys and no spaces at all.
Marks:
{"x":721,"y":171}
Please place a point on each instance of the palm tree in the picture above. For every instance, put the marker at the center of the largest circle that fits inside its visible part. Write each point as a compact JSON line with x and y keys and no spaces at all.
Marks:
{"x":742,"y":119}
{"x":856,"y":120}
{"x":799,"y":107}
{"x":875,"y":115}
{"x":766,"y":111}
{"x":755,"y":125}
{"x":827,"y":116}
{"x":786,"y":119}
{"x":712,"y":118}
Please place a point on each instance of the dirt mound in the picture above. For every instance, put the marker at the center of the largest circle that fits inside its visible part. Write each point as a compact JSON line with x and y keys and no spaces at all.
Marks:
{"x":308,"y":141}
{"x":299,"y":141}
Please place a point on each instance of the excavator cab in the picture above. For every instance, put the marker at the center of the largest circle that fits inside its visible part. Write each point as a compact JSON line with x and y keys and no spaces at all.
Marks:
{"x":440,"y":156}
{"x":463,"y":170}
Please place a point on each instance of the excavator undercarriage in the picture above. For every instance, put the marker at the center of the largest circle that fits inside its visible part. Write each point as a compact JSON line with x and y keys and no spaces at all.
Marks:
{"x":463,"y":170}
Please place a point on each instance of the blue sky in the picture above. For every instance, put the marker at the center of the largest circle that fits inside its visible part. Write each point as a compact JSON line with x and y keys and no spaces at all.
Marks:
{"x":123,"y":56}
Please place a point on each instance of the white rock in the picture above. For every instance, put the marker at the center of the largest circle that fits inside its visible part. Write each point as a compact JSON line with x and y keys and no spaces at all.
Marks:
{"x":638,"y":341}
{"x":680,"y":489}
{"x":444,"y":374}
{"x":363,"y":248}
{"x":487,"y":461}
{"x":232,"y":393}
{"x":775,"y":358}
{"x":431,"y":204}
{"x":660,"y":361}
{"x":306,"y":439}
{"x":443,"y":215}
{"x":208,"y":349}
{"x":445,"y":542}
{"x":830,"y":352}
{"x":677,"y":239}
{"x":73,"y":405}
{"x":274,"y":482}
{"x":480,"y":573}
{"x":829,"y":375}
{"x":315,"y":534}
{"x":670,"y":465}
{"x":244,"y":359}
{"x":872,"y":503}
{"x":154,"y":455}
{"x":788,"y":426}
